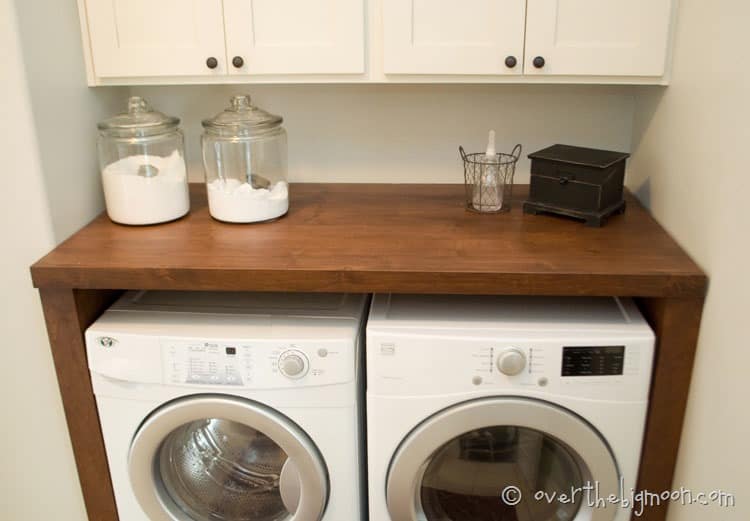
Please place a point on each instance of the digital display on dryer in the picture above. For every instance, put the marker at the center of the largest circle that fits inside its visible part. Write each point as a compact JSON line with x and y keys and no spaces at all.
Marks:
{"x":593,"y":360}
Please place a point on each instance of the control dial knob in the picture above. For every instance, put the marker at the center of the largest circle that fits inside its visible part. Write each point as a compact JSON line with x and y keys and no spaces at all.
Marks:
{"x":293,"y":364}
{"x":511,"y":361}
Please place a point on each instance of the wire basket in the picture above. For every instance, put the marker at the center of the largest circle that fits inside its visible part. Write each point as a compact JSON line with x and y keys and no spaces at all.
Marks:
{"x":489,"y":181}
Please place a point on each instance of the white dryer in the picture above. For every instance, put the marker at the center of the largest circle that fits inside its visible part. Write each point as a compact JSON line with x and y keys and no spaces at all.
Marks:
{"x":231,"y":406}
{"x":491,"y":408}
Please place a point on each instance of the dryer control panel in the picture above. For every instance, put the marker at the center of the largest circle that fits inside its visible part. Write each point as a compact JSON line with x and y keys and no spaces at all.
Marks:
{"x":427,"y":365}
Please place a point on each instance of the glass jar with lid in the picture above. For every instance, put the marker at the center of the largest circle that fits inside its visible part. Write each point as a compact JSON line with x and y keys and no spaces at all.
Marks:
{"x":142,"y":162}
{"x":245,"y":159}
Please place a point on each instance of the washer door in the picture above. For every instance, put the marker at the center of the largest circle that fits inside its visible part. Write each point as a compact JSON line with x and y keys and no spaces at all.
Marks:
{"x":219,"y":458}
{"x":457,"y":464}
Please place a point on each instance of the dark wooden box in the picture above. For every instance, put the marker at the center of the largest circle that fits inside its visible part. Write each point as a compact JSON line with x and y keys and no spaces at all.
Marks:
{"x":584,"y":183}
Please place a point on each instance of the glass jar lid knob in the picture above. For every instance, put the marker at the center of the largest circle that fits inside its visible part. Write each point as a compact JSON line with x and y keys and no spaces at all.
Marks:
{"x":137,"y":104}
{"x":241,"y":102}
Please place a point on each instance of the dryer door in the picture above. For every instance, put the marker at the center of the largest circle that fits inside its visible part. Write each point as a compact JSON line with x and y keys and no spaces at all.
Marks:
{"x":216,"y":458}
{"x":502,"y":459}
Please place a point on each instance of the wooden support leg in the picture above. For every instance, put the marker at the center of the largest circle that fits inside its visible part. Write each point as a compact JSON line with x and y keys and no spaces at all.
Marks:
{"x":68,"y":313}
{"x":676,"y":323}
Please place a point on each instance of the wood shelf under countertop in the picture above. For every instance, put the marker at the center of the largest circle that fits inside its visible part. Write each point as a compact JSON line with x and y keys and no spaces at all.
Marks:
{"x":376,"y":238}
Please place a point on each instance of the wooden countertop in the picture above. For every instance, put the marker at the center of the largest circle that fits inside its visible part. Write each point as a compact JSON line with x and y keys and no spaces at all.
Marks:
{"x":376,"y":237}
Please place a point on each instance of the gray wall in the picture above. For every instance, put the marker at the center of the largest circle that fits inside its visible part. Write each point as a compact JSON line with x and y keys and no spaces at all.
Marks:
{"x":47,"y":134}
{"x":65,"y":110}
{"x":689,"y":165}
{"x":410,"y":133}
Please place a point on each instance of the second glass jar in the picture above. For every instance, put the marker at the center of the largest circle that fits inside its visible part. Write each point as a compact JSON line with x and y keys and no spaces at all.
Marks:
{"x":245,"y":160}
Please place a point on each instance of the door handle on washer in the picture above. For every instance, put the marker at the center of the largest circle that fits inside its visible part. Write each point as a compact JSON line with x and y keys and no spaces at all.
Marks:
{"x":289,"y":486}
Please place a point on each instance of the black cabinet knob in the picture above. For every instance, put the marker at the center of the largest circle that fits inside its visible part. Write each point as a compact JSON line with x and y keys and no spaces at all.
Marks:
{"x":538,"y":62}
{"x":511,"y":62}
{"x":212,"y":63}
{"x":238,"y":62}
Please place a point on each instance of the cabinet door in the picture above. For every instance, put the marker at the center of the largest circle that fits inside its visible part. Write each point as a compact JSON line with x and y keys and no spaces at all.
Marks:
{"x":296,"y":36}
{"x":453,"y":36}
{"x":155,"y":37}
{"x":598,"y":37}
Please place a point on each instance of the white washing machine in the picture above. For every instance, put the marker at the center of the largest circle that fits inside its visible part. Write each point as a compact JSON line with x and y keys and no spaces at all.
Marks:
{"x":491,"y":408}
{"x":231,"y":406}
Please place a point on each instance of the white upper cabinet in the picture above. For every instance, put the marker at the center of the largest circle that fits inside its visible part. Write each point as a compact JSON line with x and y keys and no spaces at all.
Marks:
{"x":132,"y":38}
{"x":376,"y":41}
{"x":597,"y":37}
{"x":453,"y":36}
{"x":295,"y":36}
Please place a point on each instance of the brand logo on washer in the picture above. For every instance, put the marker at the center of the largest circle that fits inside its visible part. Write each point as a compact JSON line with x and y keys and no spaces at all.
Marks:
{"x":107,"y":342}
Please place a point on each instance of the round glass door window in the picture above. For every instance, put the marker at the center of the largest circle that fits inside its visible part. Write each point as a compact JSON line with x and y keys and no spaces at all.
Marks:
{"x":465,"y":478}
{"x":220,"y":470}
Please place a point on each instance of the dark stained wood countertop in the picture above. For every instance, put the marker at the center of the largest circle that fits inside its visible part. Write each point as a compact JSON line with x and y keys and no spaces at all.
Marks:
{"x":377,"y":237}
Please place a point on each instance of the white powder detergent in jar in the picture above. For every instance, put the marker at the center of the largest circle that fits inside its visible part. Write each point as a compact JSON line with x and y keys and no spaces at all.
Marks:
{"x":142,"y":161}
{"x":244,"y":156}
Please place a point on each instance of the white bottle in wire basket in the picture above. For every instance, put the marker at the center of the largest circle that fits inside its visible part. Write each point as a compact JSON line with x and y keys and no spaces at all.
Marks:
{"x":488,"y":190}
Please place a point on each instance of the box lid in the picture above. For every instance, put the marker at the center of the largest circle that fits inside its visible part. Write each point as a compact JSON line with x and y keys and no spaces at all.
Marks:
{"x":590,"y":157}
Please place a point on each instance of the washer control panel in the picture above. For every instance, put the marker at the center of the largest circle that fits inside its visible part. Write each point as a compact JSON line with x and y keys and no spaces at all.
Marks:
{"x":208,"y":363}
{"x":255,"y":364}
